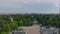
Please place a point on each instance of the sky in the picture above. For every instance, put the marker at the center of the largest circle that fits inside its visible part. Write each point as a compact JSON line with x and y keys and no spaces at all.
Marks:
{"x":29,"y":6}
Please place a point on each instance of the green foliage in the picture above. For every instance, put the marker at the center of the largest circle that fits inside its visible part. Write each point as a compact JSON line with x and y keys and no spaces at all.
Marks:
{"x":0,"y":29}
{"x":7,"y":28}
{"x":13,"y":25}
{"x":11,"y":22}
{"x":3,"y":33}
{"x":20,"y":23}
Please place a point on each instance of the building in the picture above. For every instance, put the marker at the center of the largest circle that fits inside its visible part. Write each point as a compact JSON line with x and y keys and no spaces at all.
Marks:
{"x":19,"y":33}
{"x":28,"y":30}
{"x":51,"y":30}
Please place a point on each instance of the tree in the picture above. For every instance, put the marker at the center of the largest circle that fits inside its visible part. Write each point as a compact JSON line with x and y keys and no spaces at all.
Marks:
{"x":13,"y":25}
{"x":0,"y":29}
{"x":7,"y":28}
{"x":20,"y":23}
{"x":3,"y":33}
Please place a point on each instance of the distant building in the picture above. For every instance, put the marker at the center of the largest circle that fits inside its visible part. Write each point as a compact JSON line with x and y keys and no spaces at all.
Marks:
{"x":50,"y":30}
{"x":59,"y":31}
{"x":28,"y":30}
{"x":19,"y":33}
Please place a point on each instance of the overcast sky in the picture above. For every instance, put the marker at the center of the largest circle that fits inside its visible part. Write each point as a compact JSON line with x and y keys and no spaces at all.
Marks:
{"x":29,"y":6}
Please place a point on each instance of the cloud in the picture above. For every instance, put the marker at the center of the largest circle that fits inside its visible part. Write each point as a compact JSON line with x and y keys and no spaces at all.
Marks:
{"x":12,"y":3}
{"x":29,"y":6}
{"x":26,"y":1}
